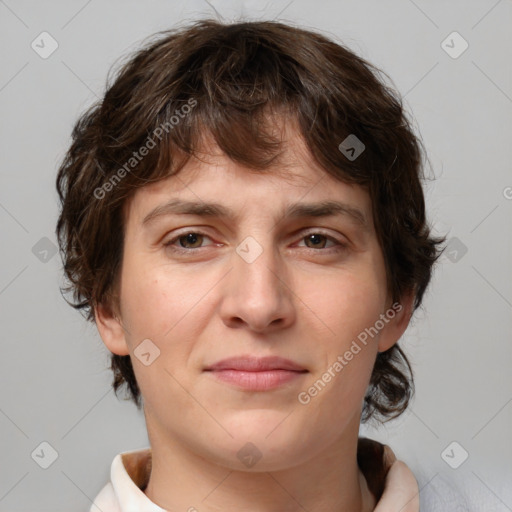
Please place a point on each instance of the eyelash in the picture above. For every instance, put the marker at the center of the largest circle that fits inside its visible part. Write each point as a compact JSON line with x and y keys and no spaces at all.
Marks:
{"x":341,"y":246}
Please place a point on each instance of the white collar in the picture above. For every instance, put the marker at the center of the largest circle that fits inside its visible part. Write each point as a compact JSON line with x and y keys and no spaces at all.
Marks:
{"x":129,"y":474}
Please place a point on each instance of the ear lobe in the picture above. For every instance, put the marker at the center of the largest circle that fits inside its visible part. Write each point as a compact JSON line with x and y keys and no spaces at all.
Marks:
{"x":111,"y":330}
{"x":397,"y":325}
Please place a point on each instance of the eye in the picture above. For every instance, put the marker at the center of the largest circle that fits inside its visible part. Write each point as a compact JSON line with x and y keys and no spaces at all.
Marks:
{"x":316,"y":240}
{"x":319,"y":239}
{"x":190,"y":241}
{"x":193,"y":238}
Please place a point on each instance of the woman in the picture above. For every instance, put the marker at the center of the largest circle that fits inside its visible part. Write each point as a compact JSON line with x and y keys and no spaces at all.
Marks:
{"x":258,"y":351}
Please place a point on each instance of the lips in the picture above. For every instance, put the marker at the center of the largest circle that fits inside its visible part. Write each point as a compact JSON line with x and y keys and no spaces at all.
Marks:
{"x":251,"y":373}
{"x":256,"y":364}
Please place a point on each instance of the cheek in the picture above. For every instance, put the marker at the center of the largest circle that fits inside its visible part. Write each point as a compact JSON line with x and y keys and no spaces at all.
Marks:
{"x":163,"y":307}
{"x":167,"y":305}
{"x":345,"y":304}
{"x":147,"y":304}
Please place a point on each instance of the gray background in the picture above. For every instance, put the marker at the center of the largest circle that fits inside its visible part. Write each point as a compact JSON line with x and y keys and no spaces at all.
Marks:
{"x":54,"y":367}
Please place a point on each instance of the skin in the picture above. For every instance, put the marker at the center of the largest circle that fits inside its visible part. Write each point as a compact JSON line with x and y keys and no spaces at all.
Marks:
{"x":298,"y":300}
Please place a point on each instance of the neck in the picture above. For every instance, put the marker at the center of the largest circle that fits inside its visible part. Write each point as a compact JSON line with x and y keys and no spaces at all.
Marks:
{"x":183,"y":480}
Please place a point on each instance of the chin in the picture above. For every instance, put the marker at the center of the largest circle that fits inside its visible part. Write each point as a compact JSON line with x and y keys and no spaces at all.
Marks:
{"x":262,"y":425}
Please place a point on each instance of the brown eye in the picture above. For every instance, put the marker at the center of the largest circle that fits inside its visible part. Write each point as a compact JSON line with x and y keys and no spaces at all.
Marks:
{"x":316,"y":240}
{"x":186,"y":242}
{"x":190,"y":238}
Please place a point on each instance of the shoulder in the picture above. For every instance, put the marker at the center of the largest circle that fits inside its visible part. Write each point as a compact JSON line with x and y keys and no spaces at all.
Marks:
{"x":441,"y":491}
{"x":105,"y":501}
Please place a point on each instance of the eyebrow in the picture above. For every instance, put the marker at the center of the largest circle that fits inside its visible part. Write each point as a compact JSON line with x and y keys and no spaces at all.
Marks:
{"x":294,"y":211}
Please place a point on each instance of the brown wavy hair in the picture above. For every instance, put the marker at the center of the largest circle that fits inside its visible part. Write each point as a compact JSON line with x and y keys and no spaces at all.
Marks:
{"x":234,"y":75}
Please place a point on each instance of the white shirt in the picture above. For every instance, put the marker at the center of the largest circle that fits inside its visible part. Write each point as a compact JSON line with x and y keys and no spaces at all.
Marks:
{"x":130,"y":471}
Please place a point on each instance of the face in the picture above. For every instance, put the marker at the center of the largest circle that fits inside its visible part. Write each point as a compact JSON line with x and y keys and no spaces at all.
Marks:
{"x":258,"y":281}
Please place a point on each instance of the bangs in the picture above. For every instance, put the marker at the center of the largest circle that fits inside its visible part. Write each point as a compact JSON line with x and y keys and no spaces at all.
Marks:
{"x":236,"y":90}
{"x":255,"y":141}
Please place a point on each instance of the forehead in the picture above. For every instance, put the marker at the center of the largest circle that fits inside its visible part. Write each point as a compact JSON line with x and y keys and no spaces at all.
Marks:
{"x":210,"y":175}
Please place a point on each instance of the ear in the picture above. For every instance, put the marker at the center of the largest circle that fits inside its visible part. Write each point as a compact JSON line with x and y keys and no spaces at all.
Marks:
{"x":111,"y":330}
{"x":396,"y":325}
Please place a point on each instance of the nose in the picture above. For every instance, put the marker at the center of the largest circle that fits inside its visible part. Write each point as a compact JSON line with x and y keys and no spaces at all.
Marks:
{"x":256,"y":295}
